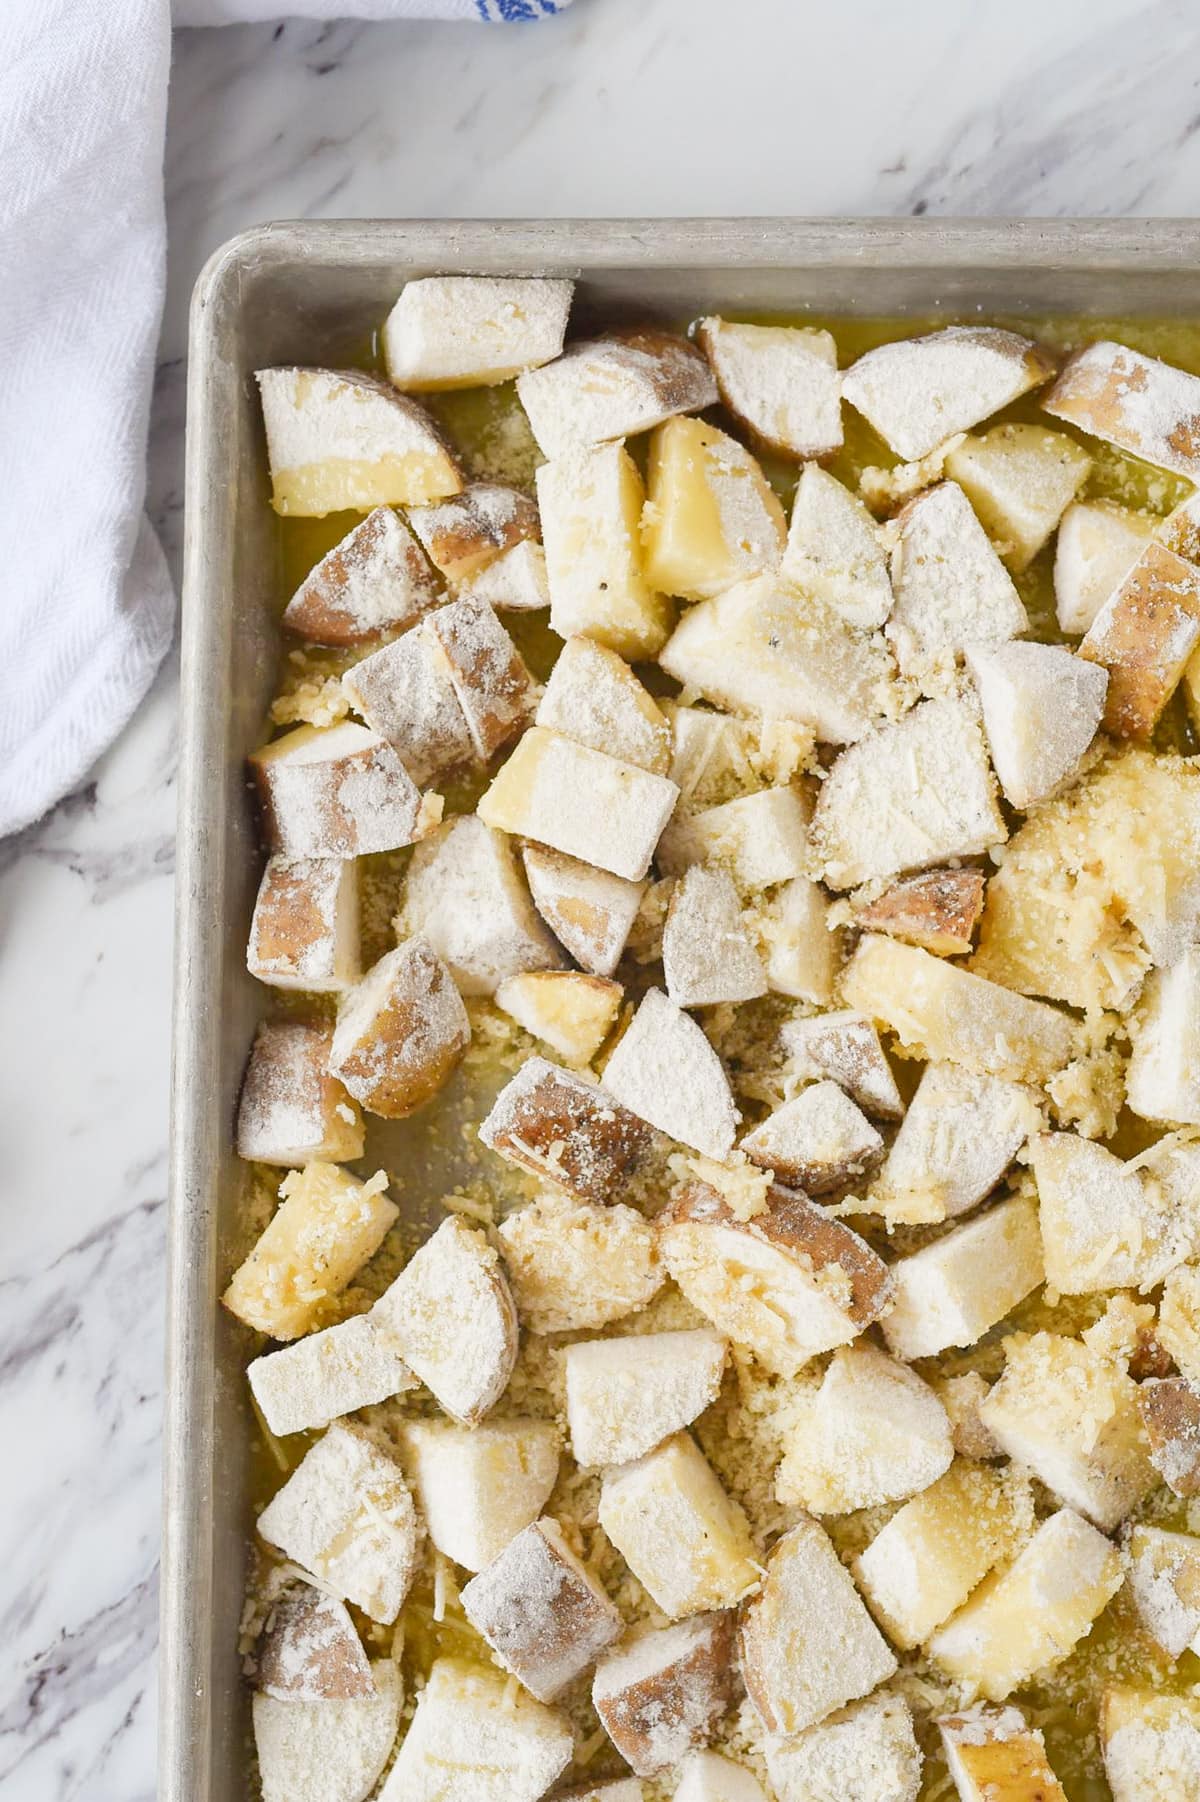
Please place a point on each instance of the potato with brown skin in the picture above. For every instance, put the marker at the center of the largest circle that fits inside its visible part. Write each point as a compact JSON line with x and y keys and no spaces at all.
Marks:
{"x":401,"y":1032}
{"x":494,"y":688}
{"x":1144,"y":635}
{"x":540,"y":1610}
{"x":291,"y":1109}
{"x":612,"y":387}
{"x":470,"y":530}
{"x":661,"y":1694}
{"x":938,"y":910}
{"x":376,"y":579}
{"x":1170,"y":1411}
{"x":567,"y":1129}
{"x":310,"y":1651}
{"x":338,"y":791}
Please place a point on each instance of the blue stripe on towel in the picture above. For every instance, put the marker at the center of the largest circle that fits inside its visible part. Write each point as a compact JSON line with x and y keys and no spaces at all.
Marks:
{"x":514,"y":12}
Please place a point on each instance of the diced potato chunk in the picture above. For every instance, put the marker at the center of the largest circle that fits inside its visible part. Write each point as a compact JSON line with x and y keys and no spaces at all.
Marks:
{"x":1151,"y":1745}
{"x":327,"y":1751}
{"x":310,"y":1650}
{"x":563,"y":1126}
{"x":1170,"y":1413}
{"x":1097,"y":546}
{"x":685,"y":1540}
{"x":919,"y":391}
{"x":1162,"y":1078}
{"x":473,"y":1739}
{"x":463,"y":331}
{"x":835,"y":550}
{"x":1144,"y":635}
{"x":570,"y":1012}
{"x":665,"y":1071}
{"x":867,"y":1752}
{"x":788,"y":1283}
{"x":718,"y":757}
{"x":1109,"y":1225}
{"x":803,"y":951}
{"x":844,"y":1046}
{"x":376,"y":579}
{"x":593,"y":696}
{"x":581,"y":802}
{"x":1180,"y":530}
{"x":1042,"y":708}
{"x":574,"y":1266}
{"x":590,"y":911}
{"x":1020,"y":479}
{"x":490,"y":680}
{"x":451,"y":1315}
{"x":1178,"y":1327}
{"x":709,"y":954}
{"x":328,"y":1226}
{"x":614,"y":387}
{"x":994,"y":1755}
{"x":952,"y":1291}
{"x":545,"y":1618}
{"x":909,"y":795}
{"x":339,"y":441}
{"x":951,"y":591}
{"x":405,"y":693}
{"x":764,"y":648}
{"x":780,"y":382}
{"x":401,"y":1032}
{"x":808,"y":1645}
{"x":959,"y":1136}
{"x":941,"y":1012}
{"x":938,"y":910}
{"x":662,"y":1693}
{"x":337,"y":791}
{"x":291,"y":1109}
{"x":874,"y":1433}
{"x":1133,"y":401}
{"x":711,"y":518}
{"x":1031,"y":1614}
{"x":304,"y":933}
{"x":940,"y":1546}
{"x":709,"y":1777}
{"x":760,"y":839}
{"x":1164,"y":1580}
{"x":346,"y":1515}
{"x":625,"y":1396}
{"x":962,"y":1397}
{"x":820,"y":1140}
{"x":326,"y":1375}
{"x":591,"y":506}
{"x":470,"y":530}
{"x":515,"y":581}
{"x":478,"y":1487}
{"x":463,"y":892}
{"x":1071,"y":1416}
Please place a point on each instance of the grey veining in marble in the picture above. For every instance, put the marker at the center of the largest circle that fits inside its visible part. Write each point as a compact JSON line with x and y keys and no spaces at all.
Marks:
{"x":651,"y":106}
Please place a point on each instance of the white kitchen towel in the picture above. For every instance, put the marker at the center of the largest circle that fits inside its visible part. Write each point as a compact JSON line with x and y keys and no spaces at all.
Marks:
{"x":86,"y":607}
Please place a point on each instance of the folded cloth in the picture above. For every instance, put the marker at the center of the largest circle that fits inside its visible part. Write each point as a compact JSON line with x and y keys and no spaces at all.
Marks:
{"x":88,"y":610}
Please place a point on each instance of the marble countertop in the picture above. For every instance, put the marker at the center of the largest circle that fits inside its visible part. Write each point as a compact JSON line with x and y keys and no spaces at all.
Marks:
{"x":618,"y":106}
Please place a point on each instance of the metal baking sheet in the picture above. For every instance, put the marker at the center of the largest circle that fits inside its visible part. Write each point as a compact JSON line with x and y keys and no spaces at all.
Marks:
{"x":313,"y":292}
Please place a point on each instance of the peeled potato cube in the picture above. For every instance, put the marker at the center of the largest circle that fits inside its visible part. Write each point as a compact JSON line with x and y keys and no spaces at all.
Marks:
{"x":803,"y":952}
{"x":1071,"y":1416}
{"x":464,"y":331}
{"x":835,"y":550}
{"x":959,"y":1136}
{"x":759,"y":839}
{"x":339,"y":441}
{"x":291,"y":1109}
{"x":1133,"y":401}
{"x":473,"y":1739}
{"x":346,"y":1515}
{"x":1151,"y":1745}
{"x":478,"y":1487}
{"x":686,"y":1541}
{"x":1170,"y":1413}
{"x":327,"y":1751}
{"x":937,"y":1549}
{"x":1178,"y":1327}
{"x":787,"y":1284}
{"x":1105,"y":1224}
{"x":337,"y":791}
{"x":540,"y":1611}
{"x":867,"y":1752}
{"x":464,"y":894}
{"x":451,"y":1316}
{"x":665,"y":1071}
{"x":781,"y":383}
{"x":952,"y":1291}
{"x":493,"y":686}
{"x":874,"y":1433}
{"x":594,"y":697}
{"x":844,"y":1047}
{"x":937,"y":910}
{"x":470,"y":530}
{"x":662,"y":1693}
{"x":625,"y":1396}
{"x":1164,"y":1581}
{"x":708,"y":1777}
{"x":304,"y":931}
{"x":401,"y":1032}
{"x":951,"y":591}
{"x":376,"y":579}
{"x":1162,"y":1078}
{"x":326,"y":1375}
{"x":614,"y":387}
{"x":565,"y":1127}
{"x":709,"y":953}
{"x":1097,"y":545}
{"x":808,"y":1645}
{"x":575,"y":1266}
{"x":310,"y":1650}
{"x":1042,"y":708}
{"x":1020,"y":479}
{"x":993,"y":1755}
{"x":515,"y":581}
{"x":1143,"y":636}
{"x":711,"y":516}
{"x":920,"y":391}
{"x":591,"y":502}
{"x":327,"y":1228}
{"x":570,"y":1012}
{"x":717,"y":757}
{"x":581,"y":802}
{"x":1031,"y":1614}
{"x":590,"y":911}
{"x":820,"y":1140}
{"x":405,"y":694}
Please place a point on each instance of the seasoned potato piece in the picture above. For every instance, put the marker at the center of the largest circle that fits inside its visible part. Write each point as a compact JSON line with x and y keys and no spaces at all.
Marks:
{"x":844,"y":1047}
{"x":820,"y":1140}
{"x":1170,"y":1413}
{"x":959,"y":1136}
{"x":662,"y":1693}
{"x":1143,"y":636}
{"x":1151,"y":1745}
{"x":1178,"y":1329}
{"x":591,"y":503}
{"x":490,"y":680}
{"x":919,"y":391}
{"x":339,"y":441}
{"x":868,"y":1752}
{"x":576,"y":1266}
{"x":563,"y":1126}
{"x":327,"y":1374}
{"x":835,"y":550}
{"x":625,"y":1396}
{"x":1020,"y":479}
{"x":590,"y":911}
{"x":338,"y":791}
{"x":1164,"y":1581}
{"x":515,"y":581}
{"x":1133,"y":401}
{"x":291,"y":1109}
{"x":709,"y":953}
{"x":953,"y":1290}
{"x":472,"y":1738}
{"x":685,"y":1540}
{"x":1162,"y":1079}
{"x":401,"y":1032}
{"x":951,"y":591}
{"x":544,"y":1617}
{"x":327,"y":1751}
{"x":760,"y":839}
{"x":463,"y":331}
{"x":614,"y":387}
{"x":470,"y":530}
{"x":571,"y":1012}
{"x":780,"y":382}
{"x":463,"y":893}
{"x":994,"y":1755}
{"x":405,"y":693}
{"x":304,"y":932}
{"x":376,"y":579}
{"x":962,"y":1398}
{"x":593,"y":696}
{"x":1097,"y":545}
{"x":665,"y":1071}
{"x":310,"y":1650}
{"x":803,"y":951}
{"x":1042,"y":708}
{"x":1110,"y":1225}
{"x":938,"y":910}
{"x":711,"y":518}
{"x":708,"y":1777}
{"x":478,"y":1487}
